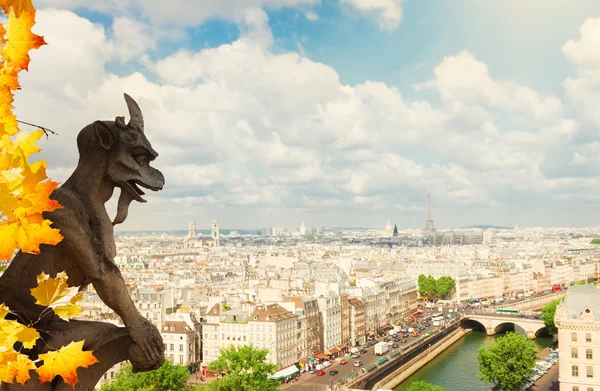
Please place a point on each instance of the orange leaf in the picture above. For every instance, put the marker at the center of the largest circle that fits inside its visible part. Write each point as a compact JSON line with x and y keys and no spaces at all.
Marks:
{"x":9,"y":77}
{"x":20,"y":39}
{"x":15,"y":366}
{"x":18,"y":6}
{"x":27,"y":233}
{"x":65,"y":362}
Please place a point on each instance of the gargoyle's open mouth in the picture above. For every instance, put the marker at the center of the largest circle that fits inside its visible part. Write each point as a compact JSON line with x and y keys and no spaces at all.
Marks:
{"x":133,"y":186}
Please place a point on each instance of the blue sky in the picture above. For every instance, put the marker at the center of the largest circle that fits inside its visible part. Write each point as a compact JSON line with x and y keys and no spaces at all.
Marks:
{"x":338,"y":112}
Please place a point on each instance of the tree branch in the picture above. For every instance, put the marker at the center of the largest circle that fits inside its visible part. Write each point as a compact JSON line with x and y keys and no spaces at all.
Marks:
{"x":45,"y":130}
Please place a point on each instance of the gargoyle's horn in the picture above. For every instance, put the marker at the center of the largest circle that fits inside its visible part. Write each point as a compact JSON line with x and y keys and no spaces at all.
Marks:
{"x":136,"y":120}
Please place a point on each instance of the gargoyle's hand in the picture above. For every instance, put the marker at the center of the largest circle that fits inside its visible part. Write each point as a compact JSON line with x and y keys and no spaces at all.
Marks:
{"x":149,"y":345}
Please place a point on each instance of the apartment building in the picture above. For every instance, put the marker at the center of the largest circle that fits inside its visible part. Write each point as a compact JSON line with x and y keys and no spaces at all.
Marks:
{"x":578,"y":323}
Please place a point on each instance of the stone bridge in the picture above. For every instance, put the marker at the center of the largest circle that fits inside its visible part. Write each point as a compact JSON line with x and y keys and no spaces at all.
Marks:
{"x":493,"y":324}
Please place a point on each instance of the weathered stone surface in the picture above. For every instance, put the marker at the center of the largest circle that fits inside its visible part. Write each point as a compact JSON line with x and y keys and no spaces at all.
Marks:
{"x":111,"y":154}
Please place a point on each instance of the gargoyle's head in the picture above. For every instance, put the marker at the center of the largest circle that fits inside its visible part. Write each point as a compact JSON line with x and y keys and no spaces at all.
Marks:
{"x":128,"y":154}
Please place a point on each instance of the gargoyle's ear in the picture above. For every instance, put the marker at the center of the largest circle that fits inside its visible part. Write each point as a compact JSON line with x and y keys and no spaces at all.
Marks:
{"x":104,"y":135}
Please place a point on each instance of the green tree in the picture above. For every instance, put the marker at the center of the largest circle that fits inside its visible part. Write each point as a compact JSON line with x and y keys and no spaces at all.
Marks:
{"x":548,"y":313}
{"x":247,"y":370}
{"x":169,"y":377}
{"x":507,"y":362}
{"x":426,"y":285}
{"x":422,"y":385}
{"x":444,"y":286}
{"x":595,"y":241}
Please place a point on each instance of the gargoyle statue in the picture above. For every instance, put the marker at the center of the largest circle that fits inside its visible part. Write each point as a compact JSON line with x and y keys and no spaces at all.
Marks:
{"x":111,"y":154}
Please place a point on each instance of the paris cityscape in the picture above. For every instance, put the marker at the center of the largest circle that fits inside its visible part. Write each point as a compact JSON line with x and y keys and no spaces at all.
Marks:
{"x":301,"y":195}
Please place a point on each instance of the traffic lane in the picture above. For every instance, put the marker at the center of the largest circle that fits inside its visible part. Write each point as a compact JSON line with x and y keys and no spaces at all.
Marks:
{"x":367,"y":358}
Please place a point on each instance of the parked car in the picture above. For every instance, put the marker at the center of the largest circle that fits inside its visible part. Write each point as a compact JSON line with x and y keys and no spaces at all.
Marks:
{"x":357,"y":363}
{"x":333,"y":372}
{"x":395,"y":345}
{"x":320,"y":373}
{"x":343,"y":362}
{"x":363,"y":351}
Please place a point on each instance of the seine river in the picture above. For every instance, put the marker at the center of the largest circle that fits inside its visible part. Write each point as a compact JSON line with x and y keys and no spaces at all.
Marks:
{"x":455,"y":369}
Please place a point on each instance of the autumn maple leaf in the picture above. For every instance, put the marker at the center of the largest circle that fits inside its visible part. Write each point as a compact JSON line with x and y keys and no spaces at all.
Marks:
{"x":56,"y":294}
{"x":15,"y":366}
{"x":27,"y":233}
{"x":65,"y":362}
{"x":20,"y":39}
{"x":18,"y":6}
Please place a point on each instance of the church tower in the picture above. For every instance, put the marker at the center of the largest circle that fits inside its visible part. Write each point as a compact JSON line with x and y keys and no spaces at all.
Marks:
{"x":215,"y":232}
{"x":192,"y":230}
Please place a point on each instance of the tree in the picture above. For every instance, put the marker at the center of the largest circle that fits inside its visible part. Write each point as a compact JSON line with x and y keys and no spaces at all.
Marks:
{"x":246,"y":369}
{"x":507,"y":362}
{"x":426,"y":285}
{"x":168,"y":377}
{"x":548,"y":313}
{"x":444,"y":286}
{"x":422,"y":385}
{"x":595,"y":241}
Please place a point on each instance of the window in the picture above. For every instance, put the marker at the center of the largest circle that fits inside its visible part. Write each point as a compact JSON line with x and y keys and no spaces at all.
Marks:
{"x":574,"y":371}
{"x":590,"y":389}
{"x":588,"y":337}
{"x":165,"y":346}
{"x":575,"y":388}
{"x":588,"y":354}
{"x":180,"y":359}
{"x":574,"y":337}
{"x":171,"y":347}
{"x":589,"y":371}
{"x":171,"y":358}
{"x":181,"y":348}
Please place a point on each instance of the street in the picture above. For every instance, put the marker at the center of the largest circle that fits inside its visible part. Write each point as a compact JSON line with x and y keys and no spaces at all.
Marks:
{"x":308,"y":381}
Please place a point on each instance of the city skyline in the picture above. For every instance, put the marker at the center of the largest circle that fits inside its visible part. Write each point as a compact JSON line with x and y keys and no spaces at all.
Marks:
{"x":343,"y":113}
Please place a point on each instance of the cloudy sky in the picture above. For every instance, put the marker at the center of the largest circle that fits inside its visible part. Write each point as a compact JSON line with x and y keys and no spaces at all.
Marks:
{"x":335,"y":112}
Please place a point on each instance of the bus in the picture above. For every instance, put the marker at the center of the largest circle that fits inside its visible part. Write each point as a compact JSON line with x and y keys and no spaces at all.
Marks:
{"x":437,"y":320}
{"x":508,"y":311}
{"x":369,"y":368}
{"x":382,"y":360}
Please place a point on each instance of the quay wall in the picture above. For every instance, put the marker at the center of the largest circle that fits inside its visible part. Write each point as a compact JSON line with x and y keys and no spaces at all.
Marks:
{"x":403,"y":372}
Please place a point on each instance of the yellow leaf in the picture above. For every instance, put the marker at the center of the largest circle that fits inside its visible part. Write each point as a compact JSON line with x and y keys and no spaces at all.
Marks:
{"x":15,"y":366}
{"x":71,"y":309}
{"x":9,"y":331}
{"x":28,"y":336}
{"x":53,"y":292}
{"x":4,"y":310}
{"x":26,"y":233}
{"x":65,"y":362}
{"x":20,"y":39}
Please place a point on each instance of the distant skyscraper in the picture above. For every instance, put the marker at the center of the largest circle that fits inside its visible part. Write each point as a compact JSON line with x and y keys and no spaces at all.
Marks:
{"x":395,"y":230}
{"x":302,"y":229}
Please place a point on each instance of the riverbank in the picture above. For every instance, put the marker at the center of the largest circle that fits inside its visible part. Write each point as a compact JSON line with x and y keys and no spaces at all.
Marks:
{"x":406,"y":370}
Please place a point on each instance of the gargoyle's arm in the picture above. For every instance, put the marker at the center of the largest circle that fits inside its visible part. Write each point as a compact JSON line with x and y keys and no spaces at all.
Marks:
{"x":79,"y":246}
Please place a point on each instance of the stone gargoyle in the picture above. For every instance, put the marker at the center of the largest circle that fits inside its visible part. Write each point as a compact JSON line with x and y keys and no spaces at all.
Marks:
{"x":111,"y":154}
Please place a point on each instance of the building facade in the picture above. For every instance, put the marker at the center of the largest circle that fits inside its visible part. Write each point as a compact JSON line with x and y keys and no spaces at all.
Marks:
{"x":578,"y":322}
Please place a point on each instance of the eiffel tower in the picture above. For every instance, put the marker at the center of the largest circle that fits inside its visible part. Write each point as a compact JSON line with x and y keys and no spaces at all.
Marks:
{"x":429,"y":221}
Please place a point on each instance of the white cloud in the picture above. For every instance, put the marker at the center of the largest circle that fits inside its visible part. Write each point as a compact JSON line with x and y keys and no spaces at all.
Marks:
{"x":388,"y":13}
{"x":179,"y":12}
{"x":462,"y":79}
{"x":583,"y":91}
{"x":312,"y":16}
{"x":249,"y":132}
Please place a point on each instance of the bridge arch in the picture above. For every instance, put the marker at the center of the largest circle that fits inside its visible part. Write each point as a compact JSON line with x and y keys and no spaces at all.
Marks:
{"x":506,"y":327}
{"x":467,"y":323}
{"x":542,"y":332}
